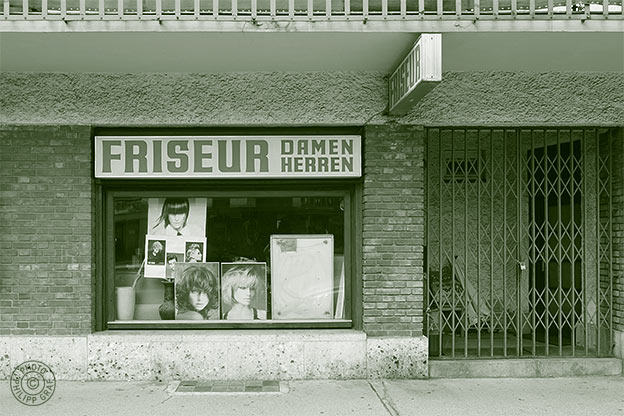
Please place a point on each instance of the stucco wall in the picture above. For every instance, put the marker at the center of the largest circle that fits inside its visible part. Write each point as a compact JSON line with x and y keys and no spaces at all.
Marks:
{"x":314,"y":98}
{"x":495,"y":98}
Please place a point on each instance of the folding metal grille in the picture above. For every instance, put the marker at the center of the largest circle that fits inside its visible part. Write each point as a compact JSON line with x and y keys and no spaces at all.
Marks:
{"x":519,"y":246}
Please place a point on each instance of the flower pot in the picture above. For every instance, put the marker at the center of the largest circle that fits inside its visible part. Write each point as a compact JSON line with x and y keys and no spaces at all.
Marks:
{"x":167,"y":308}
{"x":125,"y":303}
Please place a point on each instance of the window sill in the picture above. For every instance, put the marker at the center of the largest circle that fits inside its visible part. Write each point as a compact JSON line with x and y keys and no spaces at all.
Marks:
{"x":256,"y":325}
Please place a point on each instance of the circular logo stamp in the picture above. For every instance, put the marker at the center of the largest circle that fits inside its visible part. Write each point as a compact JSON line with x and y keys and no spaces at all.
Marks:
{"x":32,"y":383}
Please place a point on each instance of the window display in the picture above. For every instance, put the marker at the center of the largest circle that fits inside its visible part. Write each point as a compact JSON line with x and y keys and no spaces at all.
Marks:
{"x":246,"y":258}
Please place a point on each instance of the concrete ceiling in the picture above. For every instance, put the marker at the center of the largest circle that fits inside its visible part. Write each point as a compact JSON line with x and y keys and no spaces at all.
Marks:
{"x":209,"y":52}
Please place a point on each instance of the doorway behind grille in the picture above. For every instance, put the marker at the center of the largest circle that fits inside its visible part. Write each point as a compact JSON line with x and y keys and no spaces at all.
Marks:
{"x":518,"y":256}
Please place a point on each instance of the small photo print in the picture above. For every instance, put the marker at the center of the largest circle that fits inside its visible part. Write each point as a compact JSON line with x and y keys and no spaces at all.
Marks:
{"x":243,"y":291}
{"x":155,"y":256}
{"x":172,"y":260}
{"x":156,"y":252}
{"x":197,"y":291}
{"x":194,"y":251}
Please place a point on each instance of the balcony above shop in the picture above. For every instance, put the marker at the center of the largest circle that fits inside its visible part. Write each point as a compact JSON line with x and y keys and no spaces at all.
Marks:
{"x":312,"y":15}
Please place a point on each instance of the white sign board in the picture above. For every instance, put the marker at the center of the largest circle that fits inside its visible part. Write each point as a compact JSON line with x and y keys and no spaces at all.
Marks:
{"x":416,"y":75}
{"x":227,"y":156}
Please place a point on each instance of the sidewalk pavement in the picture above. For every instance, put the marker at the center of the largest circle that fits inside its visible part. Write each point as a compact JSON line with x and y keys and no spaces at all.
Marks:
{"x":602,"y":396}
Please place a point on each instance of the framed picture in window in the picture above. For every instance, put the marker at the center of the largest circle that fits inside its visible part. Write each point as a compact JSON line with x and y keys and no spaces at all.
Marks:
{"x":197,"y":291}
{"x":243,"y":291}
{"x":302,"y":276}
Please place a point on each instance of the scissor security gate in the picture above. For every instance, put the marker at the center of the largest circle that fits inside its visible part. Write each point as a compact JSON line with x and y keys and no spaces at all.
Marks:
{"x":519,"y":250}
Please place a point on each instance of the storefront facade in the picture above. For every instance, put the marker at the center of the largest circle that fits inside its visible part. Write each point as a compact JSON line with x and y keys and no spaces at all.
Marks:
{"x":91,"y":341}
{"x":94,"y":163}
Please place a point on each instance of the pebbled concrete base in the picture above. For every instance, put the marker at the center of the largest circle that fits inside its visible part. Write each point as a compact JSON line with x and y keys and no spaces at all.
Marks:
{"x":219,"y":355}
{"x":525,"y":367}
{"x":618,"y":340}
{"x":269,"y":355}
{"x":67,"y":356}
{"x":397,"y":358}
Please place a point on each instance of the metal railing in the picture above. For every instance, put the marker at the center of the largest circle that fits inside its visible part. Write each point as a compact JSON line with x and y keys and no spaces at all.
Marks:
{"x":308,"y":10}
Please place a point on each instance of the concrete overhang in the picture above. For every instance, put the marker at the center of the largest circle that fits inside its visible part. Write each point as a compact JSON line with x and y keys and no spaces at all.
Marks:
{"x":214,"y":52}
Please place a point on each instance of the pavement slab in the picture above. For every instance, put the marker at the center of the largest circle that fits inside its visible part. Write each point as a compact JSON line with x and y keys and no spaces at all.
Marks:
{"x":301,"y":398}
{"x":586,"y":396}
{"x":603,"y":396}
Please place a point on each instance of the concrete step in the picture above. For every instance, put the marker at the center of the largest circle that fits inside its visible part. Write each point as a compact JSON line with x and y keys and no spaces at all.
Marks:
{"x":525,"y":367}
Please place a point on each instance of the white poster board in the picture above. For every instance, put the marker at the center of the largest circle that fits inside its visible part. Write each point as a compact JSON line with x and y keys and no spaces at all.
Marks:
{"x":163,"y":252}
{"x":302,"y":276}
{"x":179,"y":226}
{"x":155,"y":256}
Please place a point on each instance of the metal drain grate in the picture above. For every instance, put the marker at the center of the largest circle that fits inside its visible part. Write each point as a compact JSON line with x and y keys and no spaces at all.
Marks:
{"x":252,"y":386}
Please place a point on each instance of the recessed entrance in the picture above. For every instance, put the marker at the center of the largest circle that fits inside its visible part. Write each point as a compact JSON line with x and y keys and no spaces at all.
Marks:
{"x":518,"y":255}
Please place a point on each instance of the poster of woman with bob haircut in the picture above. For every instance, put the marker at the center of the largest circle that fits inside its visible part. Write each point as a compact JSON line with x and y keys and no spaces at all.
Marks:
{"x":177,"y":216}
{"x":176,"y":221}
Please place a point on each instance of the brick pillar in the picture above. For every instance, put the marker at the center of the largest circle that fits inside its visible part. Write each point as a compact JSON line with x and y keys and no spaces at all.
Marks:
{"x":46,"y":230}
{"x":393,"y":231}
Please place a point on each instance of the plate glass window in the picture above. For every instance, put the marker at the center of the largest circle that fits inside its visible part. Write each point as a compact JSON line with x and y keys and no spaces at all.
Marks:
{"x":183,"y":259}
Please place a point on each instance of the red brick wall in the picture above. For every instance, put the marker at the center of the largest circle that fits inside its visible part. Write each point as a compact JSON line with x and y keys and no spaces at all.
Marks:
{"x":46,"y":230}
{"x":393,"y":231}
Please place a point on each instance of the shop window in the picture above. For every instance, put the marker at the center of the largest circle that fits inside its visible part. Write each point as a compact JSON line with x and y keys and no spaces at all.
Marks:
{"x":227,"y":259}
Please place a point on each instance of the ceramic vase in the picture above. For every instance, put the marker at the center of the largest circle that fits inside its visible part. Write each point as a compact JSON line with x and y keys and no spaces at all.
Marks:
{"x":167,"y":308}
{"x":125,"y":303}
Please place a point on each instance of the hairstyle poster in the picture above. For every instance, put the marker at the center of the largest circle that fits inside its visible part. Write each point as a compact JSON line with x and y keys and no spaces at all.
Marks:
{"x":155,"y":256}
{"x":243,"y":291}
{"x":302,"y":276}
{"x":195,"y":251}
{"x":177,"y":217}
{"x":197,"y":291}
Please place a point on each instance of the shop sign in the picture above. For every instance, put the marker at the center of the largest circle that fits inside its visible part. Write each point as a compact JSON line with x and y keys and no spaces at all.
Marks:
{"x":227,"y":156}
{"x":416,"y":75}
